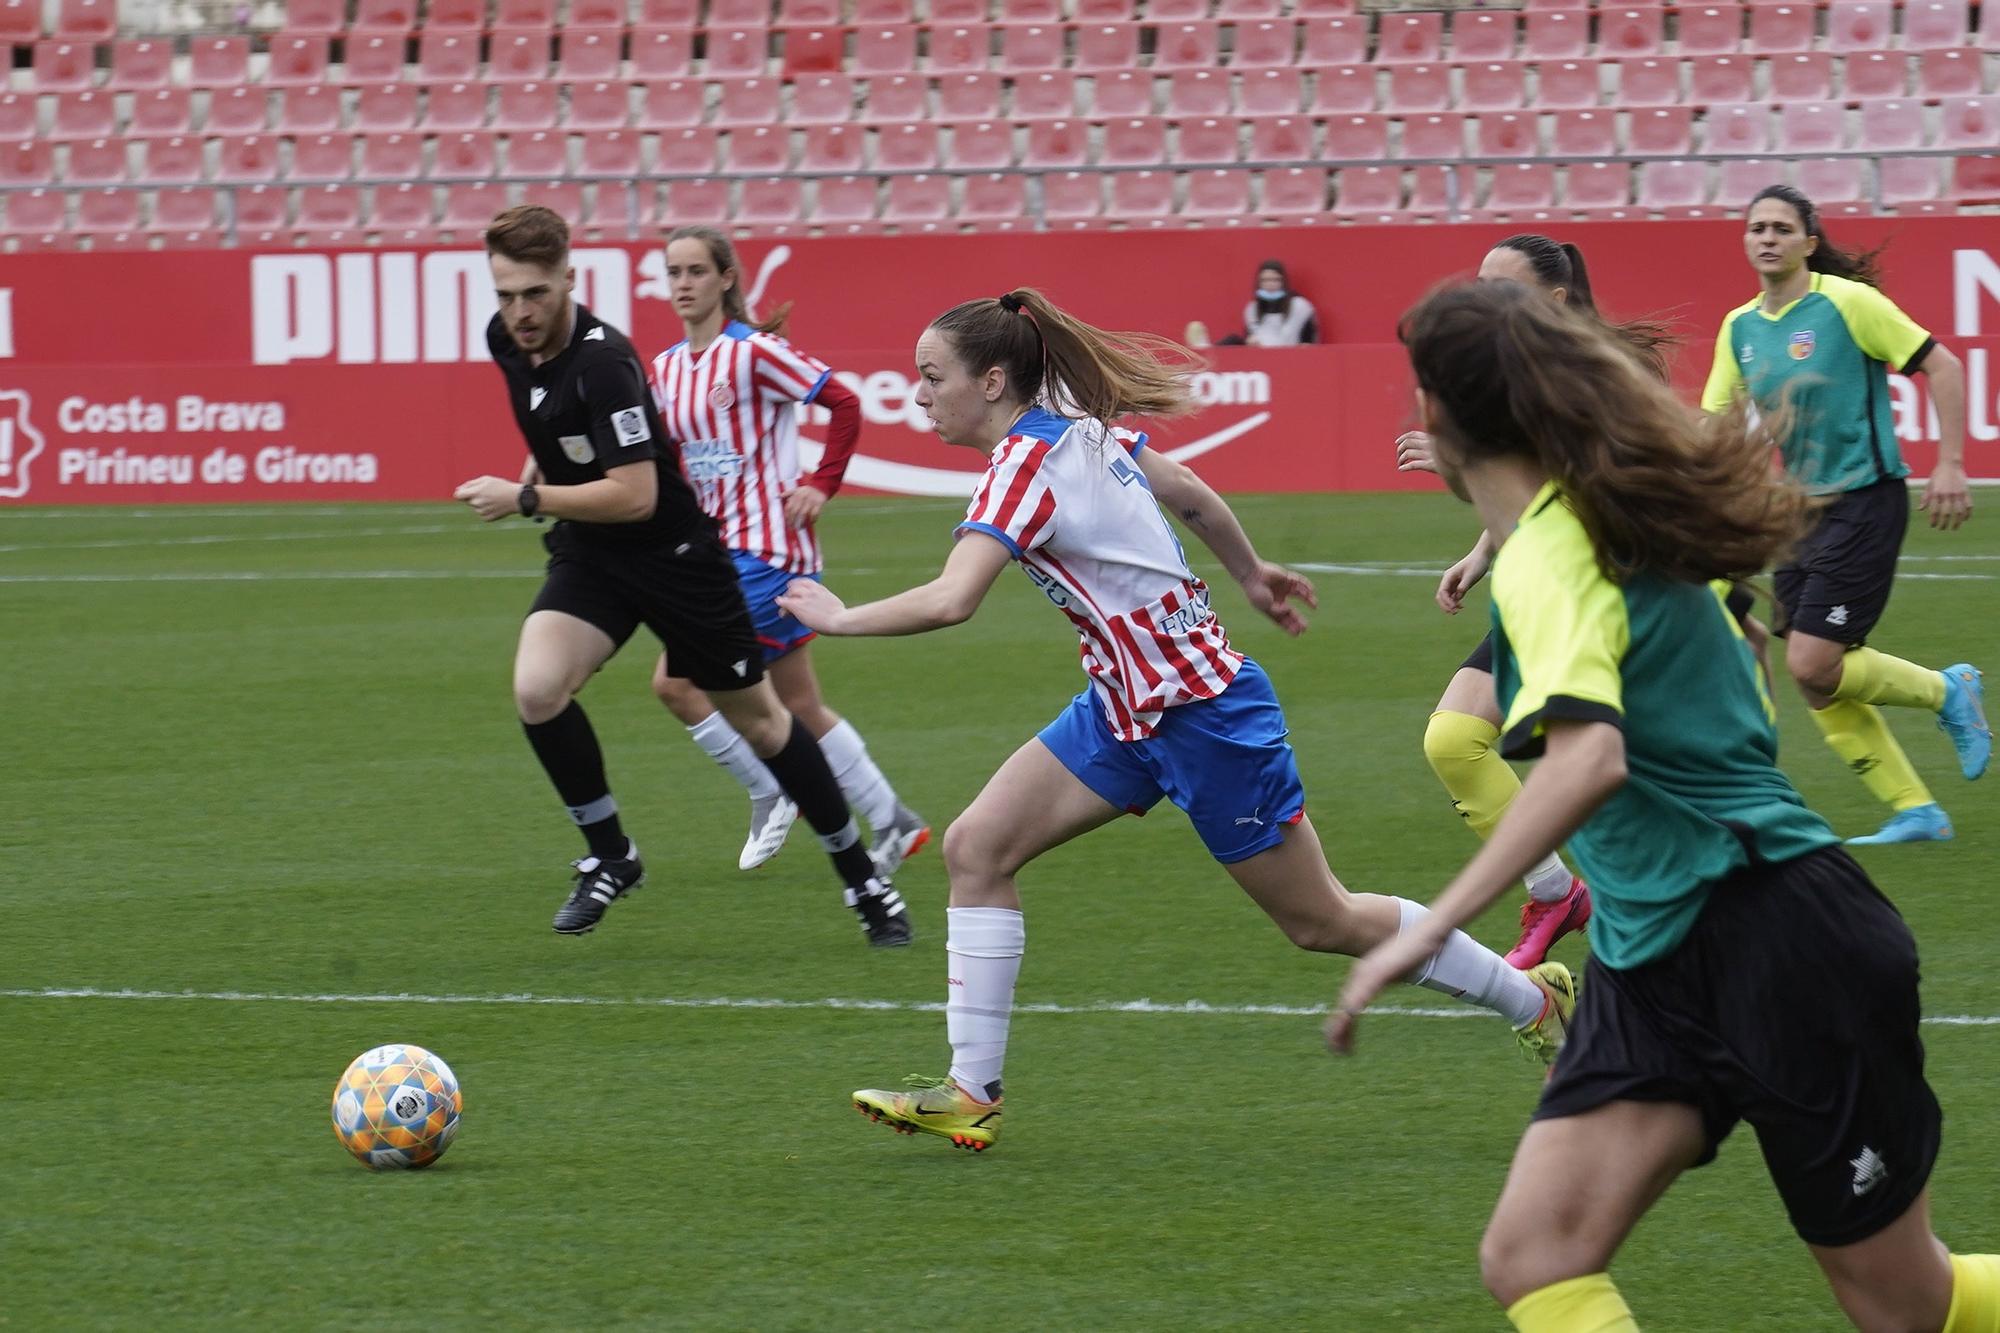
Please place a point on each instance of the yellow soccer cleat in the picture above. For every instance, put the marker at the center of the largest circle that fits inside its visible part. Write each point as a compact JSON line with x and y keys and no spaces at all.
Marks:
{"x":934,"y":1106}
{"x":1543,"y":1038}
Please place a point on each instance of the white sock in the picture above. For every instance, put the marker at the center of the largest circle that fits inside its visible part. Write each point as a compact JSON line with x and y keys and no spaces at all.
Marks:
{"x":1466,"y":969}
{"x":860,"y":781}
{"x":1549,"y":882}
{"x":984,"y":946}
{"x":715,"y":736}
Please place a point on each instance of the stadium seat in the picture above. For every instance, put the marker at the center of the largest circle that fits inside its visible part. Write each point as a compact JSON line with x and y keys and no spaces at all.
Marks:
{"x":1909,"y":180}
{"x":1597,"y":187}
{"x":1483,"y":35}
{"x":960,"y":49}
{"x":469,"y":207}
{"x":87,"y":20}
{"x":1950,"y":73}
{"x":1357,"y":139}
{"x":325,"y":17}
{"x":20,"y":22}
{"x":770,"y":201}
{"x":297,"y":61}
{"x":469,"y":155}
{"x":1866,"y":75}
{"x":456,"y":107}
{"x":884,"y":51}
{"x":308,"y":110}
{"x":592,"y":106}
{"x":1891,"y":126}
{"x":1648,"y":83}
{"x":1801,"y":76}
{"x":738,"y":13}
{"x":1661,"y":132}
{"x":812,"y":51}
{"x":895,"y":99}
{"x":1969,"y":122}
{"x":1186,"y":46}
{"x":1263,"y":45}
{"x":1522,"y":186}
{"x":602,"y":15}
{"x":64,"y":67}
{"x":1556,"y":34}
{"x":914,"y":199}
{"x":1737,"y":128}
{"x":1832,"y":180}
{"x":1506,"y":134}
{"x":764,"y":150}
{"x":141,"y":64}
{"x":749,"y":102}
{"x":907,"y":147}
{"x":1218,"y":193}
{"x":1811,"y":127}
{"x":1344,"y":89}
{"x":960,"y":97}
{"x":1567,"y":85}
{"x":1936,"y":25}
{"x":160,"y":113}
{"x":371,"y":59}
{"x":530,"y":15}
{"x":40,"y":214}
{"x":1049,"y":95}
{"x":323,"y":157}
{"x":612,"y":153}
{"x":218,"y":62}
{"x":109,"y":217}
{"x":329,"y":208}
{"x":1142,"y":194}
{"x":1030,"y":46}
{"x":681,"y":14}
{"x":537,"y":153}
{"x":1434,"y":136}
{"x":93,"y":115}
{"x":401,"y":210}
{"x":736,"y":52}
{"x":392,"y":156}
{"x":20,"y":115}
{"x":1664,"y":185}
{"x":671,"y":104}
{"x":1295,"y":192}
{"x":1055,"y":144}
{"x":846,"y":199}
{"x":1584,"y":134}
{"x":1368,"y":192}
{"x":660,"y":53}
{"x":1711,"y":29}
{"x":392,"y":17}
{"x":516,"y":57}
{"x":453,"y":57}
{"x":455,"y":15}
{"x":235,"y":111}
{"x":1859,"y":25}
{"x":1217,"y":141}
{"x":1975,"y":179}
{"x":178,"y":161}
{"x":528,"y":106}
{"x":828,"y":99}
{"x":96,"y":162}
{"x":841,"y":148}
{"x":1499,"y":86}
{"x":1714,"y":79}
{"x":1279,"y":139}
{"x":1637,"y":31}
{"x":1272,"y":92}
{"x":807,"y":12}
{"x":247,"y":158}
{"x":1409,"y":37}
{"x":1127,"y":93}
{"x":1334,"y":41}
{"x":1740,"y":179}
{"x":980,"y":145}
{"x":564,"y":197}
{"x":1198,"y":92}
{"x":183,"y":209}
{"x":611,"y":215}
{"x":1779,"y":29}
{"x":587,"y":57}
{"x":1416,"y":88}
{"x":27,"y":162}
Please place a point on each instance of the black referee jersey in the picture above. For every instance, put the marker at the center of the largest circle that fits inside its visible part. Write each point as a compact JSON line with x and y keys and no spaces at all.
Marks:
{"x":587,"y":410}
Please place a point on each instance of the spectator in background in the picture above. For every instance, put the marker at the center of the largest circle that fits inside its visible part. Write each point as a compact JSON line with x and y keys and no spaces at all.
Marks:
{"x":1277,"y":316}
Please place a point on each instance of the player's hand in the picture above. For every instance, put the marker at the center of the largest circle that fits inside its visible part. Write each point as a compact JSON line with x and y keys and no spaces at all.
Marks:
{"x":491,"y":497}
{"x":1374,"y":972}
{"x":812,"y":605}
{"x":1461,"y":578}
{"x":1947,"y":496}
{"x":1413,"y":452}
{"x":1271,"y":589}
{"x":802,"y":505}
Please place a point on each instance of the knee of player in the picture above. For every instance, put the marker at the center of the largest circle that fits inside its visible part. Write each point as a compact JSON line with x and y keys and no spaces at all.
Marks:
{"x":1815,"y":673}
{"x":1452,"y":738}
{"x":974,"y":854}
{"x":539,"y":699}
{"x":1507,"y":1265}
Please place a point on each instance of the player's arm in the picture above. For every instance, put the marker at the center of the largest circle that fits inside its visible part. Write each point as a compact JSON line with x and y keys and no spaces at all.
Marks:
{"x":948,"y":599}
{"x":1725,"y":376}
{"x":1947,"y":493}
{"x":1194,"y":502}
{"x":805,"y":501}
{"x":627,"y":493}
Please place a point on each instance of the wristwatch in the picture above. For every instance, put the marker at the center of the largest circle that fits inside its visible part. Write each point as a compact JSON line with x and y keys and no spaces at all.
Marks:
{"x":530,"y":500}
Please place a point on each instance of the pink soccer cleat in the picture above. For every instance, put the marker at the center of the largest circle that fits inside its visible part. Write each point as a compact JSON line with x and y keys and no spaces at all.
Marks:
{"x":1542,"y":924}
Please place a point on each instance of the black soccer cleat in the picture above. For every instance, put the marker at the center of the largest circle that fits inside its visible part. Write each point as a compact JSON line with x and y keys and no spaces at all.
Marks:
{"x":884,"y":919}
{"x":599,"y":883}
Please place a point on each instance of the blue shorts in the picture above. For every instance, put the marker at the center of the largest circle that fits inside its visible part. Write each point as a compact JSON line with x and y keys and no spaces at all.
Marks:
{"x":777,"y":631}
{"x":1224,"y":761}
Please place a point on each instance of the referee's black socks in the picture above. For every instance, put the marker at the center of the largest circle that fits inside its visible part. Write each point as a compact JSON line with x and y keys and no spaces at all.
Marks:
{"x":570,"y":755}
{"x":802,"y":771}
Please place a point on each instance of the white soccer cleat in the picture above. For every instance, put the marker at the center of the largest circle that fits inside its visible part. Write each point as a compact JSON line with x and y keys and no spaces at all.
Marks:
{"x":900,"y":841}
{"x":770,"y":820}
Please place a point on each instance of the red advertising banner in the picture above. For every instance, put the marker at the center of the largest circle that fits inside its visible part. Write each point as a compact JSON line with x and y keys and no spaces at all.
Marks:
{"x":235,"y":375}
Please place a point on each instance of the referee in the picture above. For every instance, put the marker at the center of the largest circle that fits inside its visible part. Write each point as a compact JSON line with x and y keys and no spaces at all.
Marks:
{"x":630,"y":547}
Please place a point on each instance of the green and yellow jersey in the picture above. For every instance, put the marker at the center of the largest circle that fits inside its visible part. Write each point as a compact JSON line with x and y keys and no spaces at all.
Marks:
{"x":1666,"y":663}
{"x":1827,"y":353}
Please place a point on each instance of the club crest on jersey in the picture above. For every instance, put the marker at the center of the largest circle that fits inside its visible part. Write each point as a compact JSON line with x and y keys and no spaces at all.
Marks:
{"x":577,"y":448}
{"x":1801,"y":345}
{"x":721,"y":397}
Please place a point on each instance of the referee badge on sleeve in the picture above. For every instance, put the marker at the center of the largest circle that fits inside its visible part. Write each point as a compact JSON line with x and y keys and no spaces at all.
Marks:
{"x":577,"y":448}
{"x":631,"y":426}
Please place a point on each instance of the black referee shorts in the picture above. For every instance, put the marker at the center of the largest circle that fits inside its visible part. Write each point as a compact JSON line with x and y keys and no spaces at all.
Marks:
{"x":686,"y":593}
{"x":1836,"y":585}
{"x":1792,"y":1004}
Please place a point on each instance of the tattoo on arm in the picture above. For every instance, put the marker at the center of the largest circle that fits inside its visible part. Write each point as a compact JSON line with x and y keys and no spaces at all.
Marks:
{"x":1192,"y":517}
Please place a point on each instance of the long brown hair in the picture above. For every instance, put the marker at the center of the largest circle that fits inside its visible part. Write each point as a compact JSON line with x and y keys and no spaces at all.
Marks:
{"x":1661,"y":490}
{"x":1080,"y":370}
{"x":1560,"y":264}
{"x":723,"y":255}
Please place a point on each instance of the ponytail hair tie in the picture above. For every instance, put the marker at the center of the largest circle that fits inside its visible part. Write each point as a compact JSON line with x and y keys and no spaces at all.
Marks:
{"x":1011,"y":303}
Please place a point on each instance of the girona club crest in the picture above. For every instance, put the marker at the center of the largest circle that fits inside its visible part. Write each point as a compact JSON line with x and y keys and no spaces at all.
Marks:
{"x":20,"y":443}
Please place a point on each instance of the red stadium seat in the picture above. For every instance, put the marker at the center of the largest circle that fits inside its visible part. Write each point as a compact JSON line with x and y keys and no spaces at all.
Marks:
{"x":1219,"y":193}
{"x":737,"y":52}
{"x":64,"y":66}
{"x":589,"y":56}
{"x":179,"y":161}
{"x":1556,"y":34}
{"x":762,"y":151}
{"x":392,"y":156}
{"x":96,"y":162}
{"x":1891,"y":126}
{"x":1598,"y":186}
{"x":961,"y":49}
{"x":611,"y":215}
{"x":1743,"y":129}
{"x":1344,"y":89}
{"x":1778,"y":29}
{"x":809,"y":11}
{"x":1186,"y":46}
{"x":1434,"y":136}
{"x":613,"y":153}
{"x":749,"y":102}
{"x":1720,"y":79}
{"x":1874,"y":74}
{"x":401,"y":209}
{"x":309,"y":110}
{"x":1140,"y":195}
{"x":1832,"y":180}
{"x":660,"y":53}
{"x":471,"y":155}
{"x":93,"y":115}
{"x":520,"y":57}
{"x":1369,"y":192}
{"x":1056,"y":143}
{"x":960,"y":97}
{"x":1357,"y":139}
{"x":896,"y":99}
{"x":592,"y":106}
{"x":19,"y":116}
{"x":812,"y":51}
{"x":219,"y":62}
{"x":457,"y":107}
{"x":1860,"y":25}
{"x":372,"y":58}
{"x":1649,"y":83}
{"x":1198,"y":92}
{"x":236,"y":111}
{"x":1410,"y":37}
{"x":297,"y":60}
{"x":27,"y":162}
{"x":247,"y":158}
{"x":1279,"y":139}
{"x":1295,"y":192}
{"x":1031,"y":46}
{"x":980,"y":146}
{"x":1664,"y":185}
{"x":1969,"y":122}
{"x":1567,"y":84}
{"x":526,"y":15}
{"x":1211,"y":141}
{"x":672,"y":14}
{"x":1638,"y":31}
{"x":879,"y":51}
{"x":394,"y":17}
{"x":671,"y":104}
{"x":183,"y":209}
{"x":1073,"y":197}
{"x":1176,"y":11}
{"x":1134,"y":143}
{"x":453,"y":57}
{"x":907,"y":147}
{"x":1936,"y":25}
{"x":826,"y":99}
{"x":1271,"y":92}
{"x":1106,"y":46}
{"x":913,"y":199}
{"x":1661,"y":132}
{"x":1711,"y":29}
{"x":1508,"y":135}
{"x":41,"y":214}
{"x":1950,"y":73}
{"x":835,"y":148}
{"x":1049,"y":95}
{"x":87,"y":20}
{"x":323,"y":157}
{"x":141,"y":64}
{"x":770,"y":202}
{"x":1801,"y":76}
{"x":1334,"y":41}
{"x":20,"y":22}
{"x":329,"y":208}
{"x":1482,"y":35}
{"x":1500,"y":86}
{"x":538,"y":153}
{"x":1522,"y":186}
{"x":1263,"y":45}
{"x":1739,"y":179}
{"x":845,"y":199}
{"x":1811,"y":127}
{"x":109,"y":217}
{"x":564,"y":197}
{"x":1414,"y":88}
{"x":1909,"y":180}
{"x":469,"y":208}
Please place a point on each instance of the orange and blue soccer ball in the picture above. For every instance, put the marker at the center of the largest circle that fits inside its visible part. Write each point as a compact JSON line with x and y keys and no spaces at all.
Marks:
{"x":396,"y":1108}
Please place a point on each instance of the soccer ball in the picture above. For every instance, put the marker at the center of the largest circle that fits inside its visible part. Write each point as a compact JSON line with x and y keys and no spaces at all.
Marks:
{"x":396,"y":1108}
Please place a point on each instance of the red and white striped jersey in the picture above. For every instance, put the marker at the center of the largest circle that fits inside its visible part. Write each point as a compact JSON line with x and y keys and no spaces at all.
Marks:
{"x":1066,"y":499}
{"x":732,"y":411}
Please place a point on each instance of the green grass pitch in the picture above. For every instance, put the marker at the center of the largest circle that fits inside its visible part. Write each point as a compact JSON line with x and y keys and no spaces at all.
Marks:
{"x":271,"y":755}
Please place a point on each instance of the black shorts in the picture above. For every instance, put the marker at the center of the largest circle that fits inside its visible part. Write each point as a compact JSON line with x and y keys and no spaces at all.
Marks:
{"x":1836,"y":585}
{"x":686,"y":594}
{"x":1481,"y":658}
{"x":1792,"y":1004}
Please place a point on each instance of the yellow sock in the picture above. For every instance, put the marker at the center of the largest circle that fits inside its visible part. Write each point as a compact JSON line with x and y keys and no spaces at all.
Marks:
{"x":1580,"y":1305}
{"x":1975,"y":1294}
{"x":1860,"y":737}
{"x":1482,"y":786}
{"x":1869,"y":677}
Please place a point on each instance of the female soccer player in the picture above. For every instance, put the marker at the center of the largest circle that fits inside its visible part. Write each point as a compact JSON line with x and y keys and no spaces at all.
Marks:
{"x":1171,"y":710}
{"x":1465,"y":725}
{"x":1822,"y":337}
{"x":726,"y":393}
{"x":1744,"y":967}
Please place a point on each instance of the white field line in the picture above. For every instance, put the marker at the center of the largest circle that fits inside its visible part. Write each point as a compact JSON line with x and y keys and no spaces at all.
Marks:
{"x":219,"y":538}
{"x":255,"y":576}
{"x":1185,"y":1008}
{"x":1381,"y":569}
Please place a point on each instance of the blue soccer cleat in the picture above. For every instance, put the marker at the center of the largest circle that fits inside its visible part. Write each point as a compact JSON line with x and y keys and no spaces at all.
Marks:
{"x":1963,"y":718}
{"x":1922,"y":823}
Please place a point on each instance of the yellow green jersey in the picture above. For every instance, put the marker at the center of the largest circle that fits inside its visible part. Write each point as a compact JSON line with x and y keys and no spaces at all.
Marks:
{"x":1666,"y":663}
{"x":1828,"y":354}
